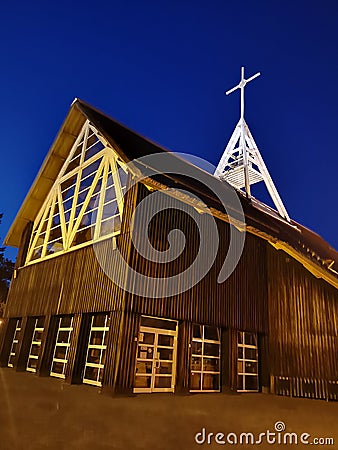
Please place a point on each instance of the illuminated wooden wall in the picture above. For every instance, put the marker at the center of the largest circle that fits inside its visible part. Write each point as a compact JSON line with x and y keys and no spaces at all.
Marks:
{"x":295,"y":314}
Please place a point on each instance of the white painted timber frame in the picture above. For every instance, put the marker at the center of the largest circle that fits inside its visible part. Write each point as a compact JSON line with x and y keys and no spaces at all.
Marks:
{"x":90,"y":149}
{"x":241,"y":164}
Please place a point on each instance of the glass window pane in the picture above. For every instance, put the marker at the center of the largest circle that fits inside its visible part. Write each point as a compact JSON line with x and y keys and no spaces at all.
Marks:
{"x":165,"y":367}
{"x":83,"y":235}
{"x":240,"y":386}
{"x":110,"y":195}
{"x":165,"y":353}
{"x":251,"y":367}
{"x":38,"y":336}
{"x":100,"y":320}
{"x":94,"y":355}
{"x":211,"y":333}
{"x":211,"y":349}
{"x":195,"y":381}
{"x":32,"y":363}
{"x":123,"y":176}
{"x":142,"y":382}
{"x":110,"y":226}
{"x":210,"y":382}
{"x":250,"y":339}
{"x":144,"y":352}
{"x":96,"y":338}
{"x":68,"y":187}
{"x":58,"y":367}
{"x":144,"y":367}
{"x":91,"y":169}
{"x":91,"y":373}
{"x":251,"y":383}
{"x":196,"y":348}
{"x":60,"y":352}
{"x":14,"y":347}
{"x":40,"y":322}
{"x":35,"y":350}
{"x":63,"y":337}
{"x":162,"y":382}
{"x":196,"y":363}
{"x":154,"y":322}
{"x":55,"y":247}
{"x":146,"y":338}
{"x":73,"y":164}
{"x":250,"y":353}
{"x":211,"y":364}
{"x":95,"y":148}
{"x":66,"y":322}
{"x":167,"y":341}
{"x":196,"y":331}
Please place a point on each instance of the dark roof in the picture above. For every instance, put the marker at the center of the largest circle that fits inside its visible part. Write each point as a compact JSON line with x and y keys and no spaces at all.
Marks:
{"x":130,"y":146}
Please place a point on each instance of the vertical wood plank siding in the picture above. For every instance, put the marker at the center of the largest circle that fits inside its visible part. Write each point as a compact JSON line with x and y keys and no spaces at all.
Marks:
{"x":239,"y":302}
{"x":303,"y":316}
{"x":295,"y":314}
{"x":75,"y":283}
{"x":70,"y":283}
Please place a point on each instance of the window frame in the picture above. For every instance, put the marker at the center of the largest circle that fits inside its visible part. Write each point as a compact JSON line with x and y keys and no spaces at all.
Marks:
{"x":15,"y":340}
{"x":66,"y":345}
{"x":202,"y":356}
{"x":243,"y":360}
{"x":38,"y":342}
{"x":102,"y":347}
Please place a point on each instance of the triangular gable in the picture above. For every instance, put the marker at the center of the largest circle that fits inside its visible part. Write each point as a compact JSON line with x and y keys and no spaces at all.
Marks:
{"x":85,"y":202}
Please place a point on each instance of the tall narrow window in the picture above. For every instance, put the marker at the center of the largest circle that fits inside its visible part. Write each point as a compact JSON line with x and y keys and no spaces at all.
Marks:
{"x":96,"y":352}
{"x":60,"y":357}
{"x":205,"y":359}
{"x":15,"y":342}
{"x":247,"y":362}
{"x":35,"y":348}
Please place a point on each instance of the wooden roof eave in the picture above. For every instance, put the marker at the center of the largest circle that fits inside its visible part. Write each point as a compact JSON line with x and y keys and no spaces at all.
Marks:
{"x":47,"y":174}
{"x":314,"y":268}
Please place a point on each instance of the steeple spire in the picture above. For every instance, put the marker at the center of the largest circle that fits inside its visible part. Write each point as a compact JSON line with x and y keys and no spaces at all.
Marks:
{"x":241,"y":164}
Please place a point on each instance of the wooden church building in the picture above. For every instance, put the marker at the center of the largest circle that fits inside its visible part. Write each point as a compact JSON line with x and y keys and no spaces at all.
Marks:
{"x":270,"y":326}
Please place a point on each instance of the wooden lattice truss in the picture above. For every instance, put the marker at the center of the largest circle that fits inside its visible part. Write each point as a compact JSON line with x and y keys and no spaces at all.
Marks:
{"x":85,"y":203}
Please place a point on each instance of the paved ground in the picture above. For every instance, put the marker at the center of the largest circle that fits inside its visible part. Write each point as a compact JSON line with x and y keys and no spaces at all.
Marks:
{"x":45,"y":413}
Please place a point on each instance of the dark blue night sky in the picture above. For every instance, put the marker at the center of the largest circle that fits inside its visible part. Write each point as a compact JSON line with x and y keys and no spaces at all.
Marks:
{"x":162,"y":68}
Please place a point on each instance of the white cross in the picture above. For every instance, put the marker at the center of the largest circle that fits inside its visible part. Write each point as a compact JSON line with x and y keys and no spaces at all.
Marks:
{"x":241,"y":86}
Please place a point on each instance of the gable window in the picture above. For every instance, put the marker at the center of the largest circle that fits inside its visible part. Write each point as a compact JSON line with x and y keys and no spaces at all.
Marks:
{"x":85,"y":203}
